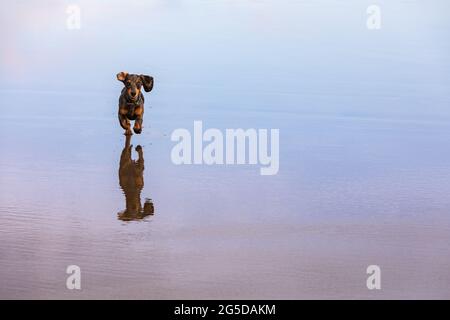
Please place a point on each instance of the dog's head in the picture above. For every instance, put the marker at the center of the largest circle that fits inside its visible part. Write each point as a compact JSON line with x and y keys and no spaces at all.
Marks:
{"x":134,"y":83}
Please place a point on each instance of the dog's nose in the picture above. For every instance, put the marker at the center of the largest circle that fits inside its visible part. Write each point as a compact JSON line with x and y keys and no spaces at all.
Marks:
{"x":133,"y":93}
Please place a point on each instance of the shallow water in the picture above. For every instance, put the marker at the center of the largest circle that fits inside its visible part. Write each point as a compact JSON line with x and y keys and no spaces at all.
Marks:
{"x":364,"y":165}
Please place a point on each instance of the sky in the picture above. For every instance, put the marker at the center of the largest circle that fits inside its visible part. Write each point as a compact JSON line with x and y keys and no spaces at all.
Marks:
{"x":192,"y":40}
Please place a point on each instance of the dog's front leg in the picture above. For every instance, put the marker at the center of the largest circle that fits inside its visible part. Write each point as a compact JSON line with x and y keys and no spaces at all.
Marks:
{"x":124,"y":122}
{"x":139,"y":112}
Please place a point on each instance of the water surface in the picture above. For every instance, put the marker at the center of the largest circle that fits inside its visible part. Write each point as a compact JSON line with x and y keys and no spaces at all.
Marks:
{"x":364,"y":160}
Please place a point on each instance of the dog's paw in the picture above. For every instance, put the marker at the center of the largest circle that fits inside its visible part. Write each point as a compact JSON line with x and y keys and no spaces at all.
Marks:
{"x":137,"y":130}
{"x":128,"y":132}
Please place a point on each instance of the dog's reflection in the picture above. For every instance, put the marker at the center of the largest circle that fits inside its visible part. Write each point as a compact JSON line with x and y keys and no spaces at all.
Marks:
{"x":131,"y":180}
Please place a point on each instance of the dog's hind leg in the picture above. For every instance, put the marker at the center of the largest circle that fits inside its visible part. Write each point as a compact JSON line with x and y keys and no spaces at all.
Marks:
{"x":125,"y":124}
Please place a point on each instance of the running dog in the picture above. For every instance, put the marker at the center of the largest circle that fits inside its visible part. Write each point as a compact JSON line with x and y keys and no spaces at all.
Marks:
{"x":131,"y":100}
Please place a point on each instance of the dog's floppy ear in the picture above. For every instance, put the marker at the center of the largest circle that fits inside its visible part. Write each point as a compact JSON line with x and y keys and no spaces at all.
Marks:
{"x":121,"y":76}
{"x":147,"y":82}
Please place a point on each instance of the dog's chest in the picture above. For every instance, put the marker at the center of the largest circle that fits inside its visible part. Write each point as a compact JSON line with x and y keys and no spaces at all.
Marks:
{"x":131,"y":106}
{"x":131,"y":115}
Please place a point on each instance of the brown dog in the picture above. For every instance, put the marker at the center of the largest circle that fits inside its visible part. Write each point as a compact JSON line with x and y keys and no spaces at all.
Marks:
{"x":131,"y":100}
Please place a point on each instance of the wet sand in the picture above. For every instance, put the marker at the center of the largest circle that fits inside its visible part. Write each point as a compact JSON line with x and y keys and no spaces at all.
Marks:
{"x":364,"y":165}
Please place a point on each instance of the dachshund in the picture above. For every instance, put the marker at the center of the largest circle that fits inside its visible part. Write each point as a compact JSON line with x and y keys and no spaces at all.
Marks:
{"x":131,"y":100}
